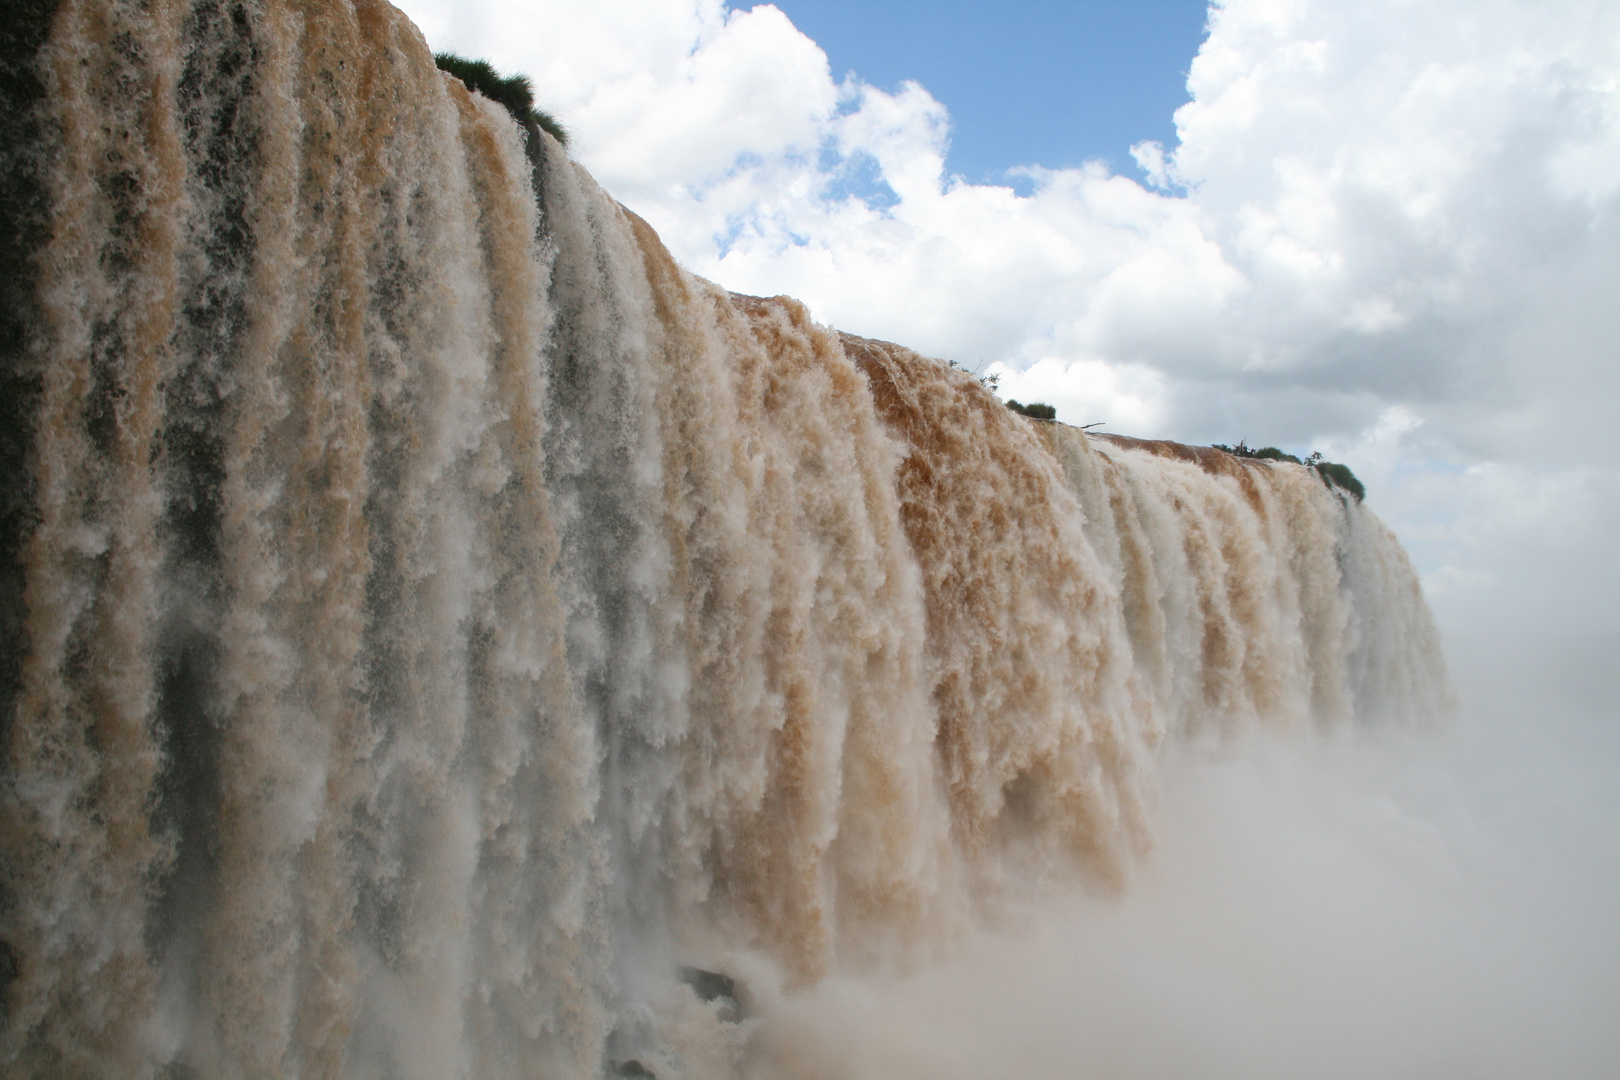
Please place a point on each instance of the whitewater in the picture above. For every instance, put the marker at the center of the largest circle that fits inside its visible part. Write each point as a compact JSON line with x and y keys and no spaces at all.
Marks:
{"x":443,"y":637}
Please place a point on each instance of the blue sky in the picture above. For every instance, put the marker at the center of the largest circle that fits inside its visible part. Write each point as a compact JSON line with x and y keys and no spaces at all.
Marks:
{"x":1026,"y":83}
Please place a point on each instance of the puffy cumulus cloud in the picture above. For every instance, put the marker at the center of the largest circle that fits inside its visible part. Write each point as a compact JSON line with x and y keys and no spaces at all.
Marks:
{"x":666,"y":99}
{"x":1396,"y":182}
{"x":1388,"y":230}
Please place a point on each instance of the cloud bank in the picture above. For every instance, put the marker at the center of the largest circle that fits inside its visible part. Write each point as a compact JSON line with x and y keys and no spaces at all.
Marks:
{"x":1390,"y":231}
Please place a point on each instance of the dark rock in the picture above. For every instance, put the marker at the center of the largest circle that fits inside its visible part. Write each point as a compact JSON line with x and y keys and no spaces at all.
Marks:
{"x":713,"y":986}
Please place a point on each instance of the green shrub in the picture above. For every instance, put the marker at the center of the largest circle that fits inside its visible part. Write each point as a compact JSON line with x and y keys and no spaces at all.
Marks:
{"x":1265,"y":453}
{"x":1271,"y":453}
{"x":514,"y":92}
{"x":1340,"y":476}
{"x":1333,"y":474}
{"x":1035,"y":410}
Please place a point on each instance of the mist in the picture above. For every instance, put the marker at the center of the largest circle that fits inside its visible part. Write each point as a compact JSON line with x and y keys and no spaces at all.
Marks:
{"x":1400,"y":904}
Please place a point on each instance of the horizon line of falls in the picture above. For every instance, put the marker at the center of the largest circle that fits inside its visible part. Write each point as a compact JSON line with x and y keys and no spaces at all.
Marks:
{"x":432,"y":617}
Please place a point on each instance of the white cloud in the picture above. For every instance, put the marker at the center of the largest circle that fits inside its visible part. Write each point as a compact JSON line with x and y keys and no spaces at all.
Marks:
{"x":1118,"y":398}
{"x":1376,"y":208}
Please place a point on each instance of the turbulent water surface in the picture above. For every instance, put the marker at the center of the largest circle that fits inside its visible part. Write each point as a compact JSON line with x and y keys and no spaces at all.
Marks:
{"x":445,"y":638}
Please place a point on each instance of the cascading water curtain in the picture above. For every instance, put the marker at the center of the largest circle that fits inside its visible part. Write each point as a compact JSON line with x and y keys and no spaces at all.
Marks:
{"x":433,"y":620}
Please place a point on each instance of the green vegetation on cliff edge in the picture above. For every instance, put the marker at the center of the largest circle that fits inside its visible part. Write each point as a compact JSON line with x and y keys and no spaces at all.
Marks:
{"x":1332,"y":473}
{"x":514,"y":92}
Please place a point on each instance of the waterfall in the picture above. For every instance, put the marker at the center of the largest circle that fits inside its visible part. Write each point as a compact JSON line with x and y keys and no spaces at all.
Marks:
{"x":433,"y":619}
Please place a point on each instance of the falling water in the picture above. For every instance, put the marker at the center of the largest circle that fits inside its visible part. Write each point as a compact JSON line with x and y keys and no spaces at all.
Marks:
{"x":432,"y":618}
